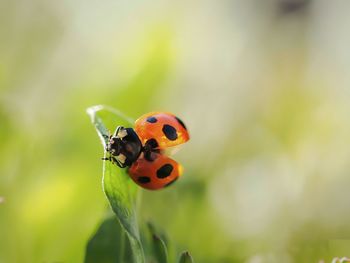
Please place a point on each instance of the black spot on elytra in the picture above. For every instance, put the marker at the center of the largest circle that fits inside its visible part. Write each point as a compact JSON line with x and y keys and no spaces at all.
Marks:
{"x":171,"y":182}
{"x":170,"y":132}
{"x":143,"y":179}
{"x":152,"y":119}
{"x":165,"y":170}
{"x":181,"y":123}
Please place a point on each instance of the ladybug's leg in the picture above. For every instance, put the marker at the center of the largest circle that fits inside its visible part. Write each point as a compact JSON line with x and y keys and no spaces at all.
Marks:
{"x":121,"y":165}
{"x":113,"y":160}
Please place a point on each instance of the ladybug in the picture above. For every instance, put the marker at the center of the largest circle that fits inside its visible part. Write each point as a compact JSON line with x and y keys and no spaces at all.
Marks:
{"x":141,"y":149}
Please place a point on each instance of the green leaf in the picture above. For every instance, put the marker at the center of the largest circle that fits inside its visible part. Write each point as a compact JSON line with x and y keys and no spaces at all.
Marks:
{"x":120,"y":190}
{"x":109,"y":244}
{"x":158,"y":247}
{"x":185,"y":257}
{"x":160,"y":252}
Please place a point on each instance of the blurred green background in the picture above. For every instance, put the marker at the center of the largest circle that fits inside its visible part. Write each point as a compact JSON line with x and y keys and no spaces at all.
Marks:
{"x":263,"y":87}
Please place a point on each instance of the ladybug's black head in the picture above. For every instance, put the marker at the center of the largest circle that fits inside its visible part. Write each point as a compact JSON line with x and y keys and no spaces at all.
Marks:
{"x":124,"y":146}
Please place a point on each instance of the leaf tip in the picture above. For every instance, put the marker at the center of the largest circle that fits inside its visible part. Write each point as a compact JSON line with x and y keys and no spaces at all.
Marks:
{"x":91,"y":110}
{"x":155,"y":237}
{"x":186,"y":257}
